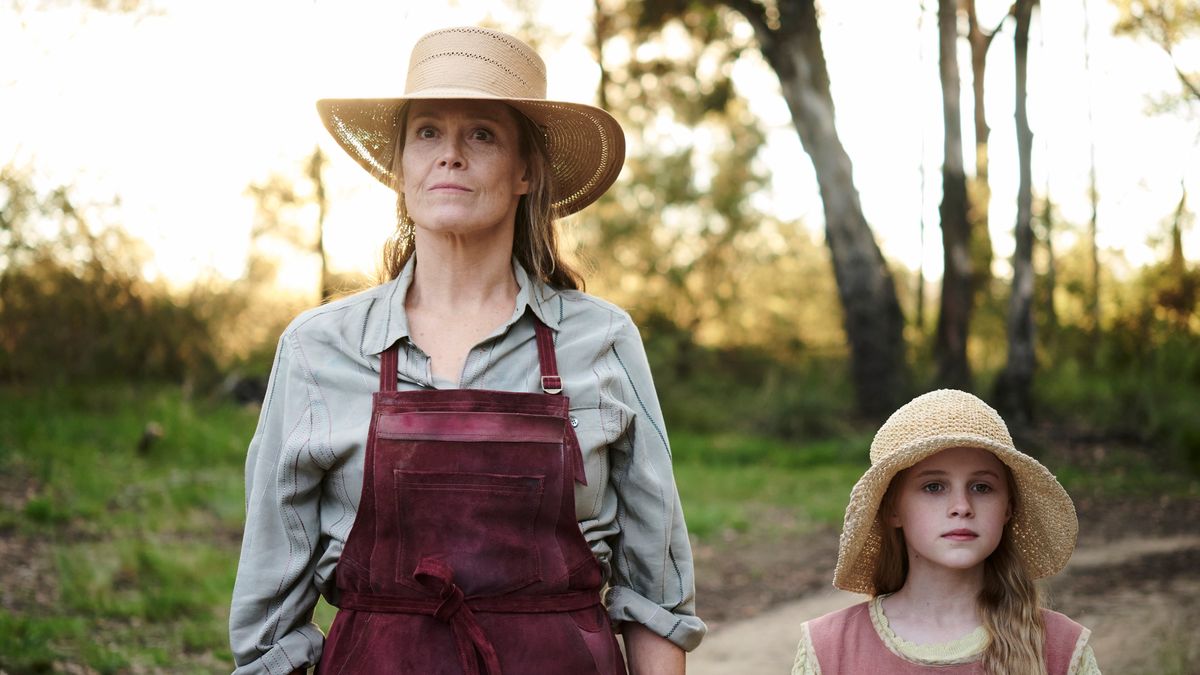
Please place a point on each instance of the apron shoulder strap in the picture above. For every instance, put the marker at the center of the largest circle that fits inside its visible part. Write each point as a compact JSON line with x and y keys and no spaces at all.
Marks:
{"x":388,"y":366}
{"x":551,"y":382}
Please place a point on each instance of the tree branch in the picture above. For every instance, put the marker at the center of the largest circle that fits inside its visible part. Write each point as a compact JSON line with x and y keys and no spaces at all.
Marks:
{"x":1187,"y":83}
{"x":755,"y":13}
{"x":988,"y":35}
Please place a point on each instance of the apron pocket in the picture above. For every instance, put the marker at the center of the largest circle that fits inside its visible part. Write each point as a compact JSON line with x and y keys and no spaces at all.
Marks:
{"x":480,"y":524}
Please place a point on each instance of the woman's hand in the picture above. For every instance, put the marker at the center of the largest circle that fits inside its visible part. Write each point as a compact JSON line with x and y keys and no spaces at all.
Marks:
{"x":650,"y":654}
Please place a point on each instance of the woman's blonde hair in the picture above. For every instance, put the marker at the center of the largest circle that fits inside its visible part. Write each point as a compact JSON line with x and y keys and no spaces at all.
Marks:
{"x":535,"y":242}
{"x":1009,"y":602}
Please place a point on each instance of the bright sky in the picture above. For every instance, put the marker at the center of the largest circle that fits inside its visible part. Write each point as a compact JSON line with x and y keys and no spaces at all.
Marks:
{"x":178,"y":112}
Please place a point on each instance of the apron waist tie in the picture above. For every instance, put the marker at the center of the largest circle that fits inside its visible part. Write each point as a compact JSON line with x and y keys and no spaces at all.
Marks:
{"x":451,"y":606}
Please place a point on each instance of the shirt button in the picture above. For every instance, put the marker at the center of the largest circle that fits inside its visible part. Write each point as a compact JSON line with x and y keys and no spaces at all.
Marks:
{"x":574,"y":421}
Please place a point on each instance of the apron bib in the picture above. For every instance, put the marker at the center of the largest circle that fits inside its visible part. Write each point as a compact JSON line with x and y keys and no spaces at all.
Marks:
{"x":465,"y":557}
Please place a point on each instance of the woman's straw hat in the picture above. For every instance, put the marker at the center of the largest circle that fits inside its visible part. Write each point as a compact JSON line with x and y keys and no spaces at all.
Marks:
{"x":587,"y":146}
{"x":1043,"y":526}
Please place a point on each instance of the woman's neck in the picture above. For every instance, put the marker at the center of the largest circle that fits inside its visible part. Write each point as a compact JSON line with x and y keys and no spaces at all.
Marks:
{"x":935,"y":604}
{"x":461,"y":274}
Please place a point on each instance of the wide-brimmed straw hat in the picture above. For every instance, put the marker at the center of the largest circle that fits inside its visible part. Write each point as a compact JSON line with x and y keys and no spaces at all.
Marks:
{"x":586,"y":145}
{"x":1043,"y":525}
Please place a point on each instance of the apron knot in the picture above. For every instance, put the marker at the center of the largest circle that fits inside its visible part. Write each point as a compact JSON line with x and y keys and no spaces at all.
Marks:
{"x":452,"y":601}
{"x":437,"y":577}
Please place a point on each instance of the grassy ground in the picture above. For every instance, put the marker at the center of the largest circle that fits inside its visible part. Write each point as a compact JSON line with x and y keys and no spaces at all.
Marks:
{"x":126,"y":505}
{"x":121,"y":513}
{"x":121,"y":508}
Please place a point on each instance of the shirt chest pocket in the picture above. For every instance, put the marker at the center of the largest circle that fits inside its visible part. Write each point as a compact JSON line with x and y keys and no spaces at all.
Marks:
{"x":588,"y":425}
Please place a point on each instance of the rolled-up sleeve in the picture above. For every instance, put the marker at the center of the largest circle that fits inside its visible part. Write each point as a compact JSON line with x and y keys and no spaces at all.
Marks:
{"x":652,"y":580}
{"x":270,"y":623}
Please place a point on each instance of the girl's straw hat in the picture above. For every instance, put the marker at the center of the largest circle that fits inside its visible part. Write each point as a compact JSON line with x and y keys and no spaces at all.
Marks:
{"x":1043,"y":525}
{"x":587,"y":146}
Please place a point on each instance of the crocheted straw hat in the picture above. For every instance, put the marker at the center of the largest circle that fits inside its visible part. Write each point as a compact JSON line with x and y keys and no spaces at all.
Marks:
{"x":586,"y":145}
{"x":1043,"y":526}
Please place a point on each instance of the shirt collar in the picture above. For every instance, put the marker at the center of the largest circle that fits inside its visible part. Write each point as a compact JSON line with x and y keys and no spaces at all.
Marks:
{"x":388,"y":320}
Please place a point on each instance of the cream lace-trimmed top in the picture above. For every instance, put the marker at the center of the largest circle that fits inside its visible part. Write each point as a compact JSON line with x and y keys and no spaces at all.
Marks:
{"x":961,"y":650}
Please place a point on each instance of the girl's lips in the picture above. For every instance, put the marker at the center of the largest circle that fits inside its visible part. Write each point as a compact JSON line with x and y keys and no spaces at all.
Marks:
{"x":960,"y":535}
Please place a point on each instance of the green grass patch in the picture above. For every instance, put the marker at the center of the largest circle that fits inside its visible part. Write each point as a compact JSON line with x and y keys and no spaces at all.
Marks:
{"x":740,"y":483}
{"x":32,"y":644}
{"x":138,"y":492}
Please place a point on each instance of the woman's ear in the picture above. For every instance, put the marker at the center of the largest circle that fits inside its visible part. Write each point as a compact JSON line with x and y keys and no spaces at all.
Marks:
{"x":522,"y":186}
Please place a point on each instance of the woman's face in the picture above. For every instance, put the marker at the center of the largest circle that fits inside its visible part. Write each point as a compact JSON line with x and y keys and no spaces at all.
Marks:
{"x":952,"y":507}
{"x":462,"y":166}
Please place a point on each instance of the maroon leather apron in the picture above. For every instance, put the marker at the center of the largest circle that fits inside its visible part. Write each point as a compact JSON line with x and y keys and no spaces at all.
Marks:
{"x":466,"y":556}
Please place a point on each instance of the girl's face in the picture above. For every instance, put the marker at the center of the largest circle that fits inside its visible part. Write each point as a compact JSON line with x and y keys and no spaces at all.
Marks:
{"x":952,"y":508}
{"x":462,"y":166}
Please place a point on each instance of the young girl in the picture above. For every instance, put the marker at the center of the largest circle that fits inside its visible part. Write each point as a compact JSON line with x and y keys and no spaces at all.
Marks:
{"x":947,"y":531}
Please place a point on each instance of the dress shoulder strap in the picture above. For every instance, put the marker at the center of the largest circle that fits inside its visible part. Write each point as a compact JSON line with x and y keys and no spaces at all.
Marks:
{"x":1063,"y":639}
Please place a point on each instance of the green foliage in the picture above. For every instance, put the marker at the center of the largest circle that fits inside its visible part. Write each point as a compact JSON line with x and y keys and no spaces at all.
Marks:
{"x":1169,"y":24}
{"x":74,"y":303}
{"x":681,"y":237}
{"x":1134,"y":387}
{"x":804,"y":396}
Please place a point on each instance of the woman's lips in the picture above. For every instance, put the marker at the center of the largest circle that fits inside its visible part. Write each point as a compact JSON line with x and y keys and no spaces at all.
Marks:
{"x":960,"y":535}
{"x":450,"y":186}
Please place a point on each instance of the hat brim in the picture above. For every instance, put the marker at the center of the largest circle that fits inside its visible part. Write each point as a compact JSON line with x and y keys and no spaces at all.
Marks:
{"x":585,"y":143}
{"x":1043,"y":528}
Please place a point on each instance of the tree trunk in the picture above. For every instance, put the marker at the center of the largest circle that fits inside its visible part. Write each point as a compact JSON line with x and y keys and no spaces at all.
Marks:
{"x":601,"y":27}
{"x":1051,"y":263}
{"x":315,"y":165}
{"x":980,"y":194}
{"x":1178,"y":265}
{"x":950,"y":347}
{"x":873,"y":320}
{"x":1093,"y":301}
{"x":1013,"y":394}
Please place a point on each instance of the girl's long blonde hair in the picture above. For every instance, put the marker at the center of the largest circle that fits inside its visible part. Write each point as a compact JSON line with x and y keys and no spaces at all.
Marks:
{"x":1009,"y":602}
{"x":535,"y":242}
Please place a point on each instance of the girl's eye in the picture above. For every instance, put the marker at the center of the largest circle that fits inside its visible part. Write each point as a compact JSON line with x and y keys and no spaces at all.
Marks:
{"x":932,"y":487}
{"x":981,"y":488}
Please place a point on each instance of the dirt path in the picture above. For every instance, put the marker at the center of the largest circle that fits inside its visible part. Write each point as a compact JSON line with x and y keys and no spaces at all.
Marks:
{"x":1140,"y":595}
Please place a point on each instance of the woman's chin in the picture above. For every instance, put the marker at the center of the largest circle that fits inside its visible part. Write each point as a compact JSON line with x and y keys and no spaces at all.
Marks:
{"x":457,"y":223}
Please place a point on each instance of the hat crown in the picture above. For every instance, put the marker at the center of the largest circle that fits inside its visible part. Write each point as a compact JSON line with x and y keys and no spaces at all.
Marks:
{"x":939,"y":414}
{"x":475,"y":62}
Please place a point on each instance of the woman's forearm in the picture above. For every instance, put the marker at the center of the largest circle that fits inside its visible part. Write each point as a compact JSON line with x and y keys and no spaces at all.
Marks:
{"x":650,"y":654}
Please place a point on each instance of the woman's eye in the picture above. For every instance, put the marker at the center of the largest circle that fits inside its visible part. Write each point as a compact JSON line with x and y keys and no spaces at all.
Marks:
{"x":426,"y":132}
{"x":482,"y":135}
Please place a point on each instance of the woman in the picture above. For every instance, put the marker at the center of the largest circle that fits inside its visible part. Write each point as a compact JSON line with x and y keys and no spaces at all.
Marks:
{"x":461,"y":458}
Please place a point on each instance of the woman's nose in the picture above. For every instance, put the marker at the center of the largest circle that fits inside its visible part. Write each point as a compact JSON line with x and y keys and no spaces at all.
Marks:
{"x":451,"y":156}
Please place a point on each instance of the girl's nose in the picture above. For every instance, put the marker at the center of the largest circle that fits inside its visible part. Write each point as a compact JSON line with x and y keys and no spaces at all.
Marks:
{"x":960,"y":505}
